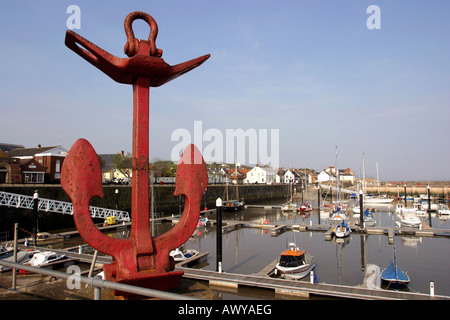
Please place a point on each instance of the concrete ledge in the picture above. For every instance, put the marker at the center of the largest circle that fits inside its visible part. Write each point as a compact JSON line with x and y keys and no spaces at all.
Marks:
{"x":424,"y":233}
{"x":295,"y":293}
{"x":227,"y":284}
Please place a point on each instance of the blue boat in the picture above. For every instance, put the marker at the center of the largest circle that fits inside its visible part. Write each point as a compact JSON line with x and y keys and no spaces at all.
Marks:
{"x":393,"y":275}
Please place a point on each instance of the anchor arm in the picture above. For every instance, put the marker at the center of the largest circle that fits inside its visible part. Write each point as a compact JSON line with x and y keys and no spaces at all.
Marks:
{"x":109,"y":64}
{"x":191,"y":181}
{"x":81,"y":180}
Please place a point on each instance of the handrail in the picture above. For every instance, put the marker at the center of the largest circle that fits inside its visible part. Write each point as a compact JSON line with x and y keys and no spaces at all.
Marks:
{"x":26,"y":202}
{"x":97,"y":282}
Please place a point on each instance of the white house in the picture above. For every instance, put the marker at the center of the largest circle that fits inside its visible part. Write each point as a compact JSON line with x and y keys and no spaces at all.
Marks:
{"x":325,"y":176}
{"x":288,"y":177}
{"x":262,"y":175}
{"x":329,"y":174}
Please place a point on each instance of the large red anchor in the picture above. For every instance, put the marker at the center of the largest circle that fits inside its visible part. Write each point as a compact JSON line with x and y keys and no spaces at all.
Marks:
{"x":141,"y":259}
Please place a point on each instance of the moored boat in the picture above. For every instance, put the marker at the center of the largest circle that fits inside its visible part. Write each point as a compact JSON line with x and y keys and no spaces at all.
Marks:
{"x":342,"y":230}
{"x":409,"y":220}
{"x":295,"y":263}
{"x":23,"y":256}
{"x":395,"y":277}
{"x":289,"y":206}
{"x":41,"y":259}
{"x":48,"y":259}
{"x":43,"y":238}
{"x":182,"y":254}
{"x":233,"y":205}
{"x":305,"y":207}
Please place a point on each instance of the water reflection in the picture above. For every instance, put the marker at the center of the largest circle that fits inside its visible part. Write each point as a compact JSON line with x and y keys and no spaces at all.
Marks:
{"x":339,"y":261}
{"x":342,"y":261}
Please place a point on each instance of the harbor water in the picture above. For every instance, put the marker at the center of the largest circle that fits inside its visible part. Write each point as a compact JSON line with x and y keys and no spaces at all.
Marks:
{"x":338,"y":261}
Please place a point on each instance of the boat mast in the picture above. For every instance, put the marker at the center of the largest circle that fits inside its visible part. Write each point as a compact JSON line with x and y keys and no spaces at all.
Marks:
{"x":337,"y":176}
{"x":378,"y":179}
{"x":364,"y":173}
{"x":236,"y":172}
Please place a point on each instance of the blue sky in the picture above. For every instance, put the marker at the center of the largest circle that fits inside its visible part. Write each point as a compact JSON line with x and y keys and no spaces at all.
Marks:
{"x":310,"y":68}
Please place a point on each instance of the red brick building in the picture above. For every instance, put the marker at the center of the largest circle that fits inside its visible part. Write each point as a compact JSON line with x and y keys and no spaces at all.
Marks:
{"x":37,"y":165}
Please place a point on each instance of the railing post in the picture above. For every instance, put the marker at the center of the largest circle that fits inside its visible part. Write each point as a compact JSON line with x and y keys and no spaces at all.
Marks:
{"x":16,"y":229}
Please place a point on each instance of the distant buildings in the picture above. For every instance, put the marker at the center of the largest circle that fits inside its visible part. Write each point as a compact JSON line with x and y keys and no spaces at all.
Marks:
{"x":329,"y":175}
{"x":43,"y":165}
{"x":31,"y":165}
{"x":263,"y":175}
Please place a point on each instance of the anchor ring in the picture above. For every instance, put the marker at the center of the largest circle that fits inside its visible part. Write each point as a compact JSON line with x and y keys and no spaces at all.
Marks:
{"x":130,"y":47}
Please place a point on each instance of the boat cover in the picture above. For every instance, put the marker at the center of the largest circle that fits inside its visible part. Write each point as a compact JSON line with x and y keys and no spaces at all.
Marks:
{"x":394,"y":274}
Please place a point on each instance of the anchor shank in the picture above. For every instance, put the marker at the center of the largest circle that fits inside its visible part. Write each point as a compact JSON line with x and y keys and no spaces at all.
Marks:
{"x":140,"y":228}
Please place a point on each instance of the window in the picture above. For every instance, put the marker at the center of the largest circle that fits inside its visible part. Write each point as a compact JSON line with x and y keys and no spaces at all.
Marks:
{"x":33,"y":177}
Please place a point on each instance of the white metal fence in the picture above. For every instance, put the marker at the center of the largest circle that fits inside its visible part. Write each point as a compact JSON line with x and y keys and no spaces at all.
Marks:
{"x":47,"y":205}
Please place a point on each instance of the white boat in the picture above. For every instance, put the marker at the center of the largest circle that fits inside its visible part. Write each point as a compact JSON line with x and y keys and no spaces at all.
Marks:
{"x":338,"y":215}
{"x":410,"y":220}
{"x":381,"y":199}
{"x":289,"y":206}
{"x":295,"y":263}
{"x":342,"y":230}
{"x":444,"y":210}
{"x":434,"y":206}
{"x":183,"y":254}
{"x":7,"y":254}
{"x":40,"y":259}
{"x":402,"y":209}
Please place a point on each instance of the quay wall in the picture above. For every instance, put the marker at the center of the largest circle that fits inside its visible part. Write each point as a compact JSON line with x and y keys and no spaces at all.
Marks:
{"x":439,"y":190}
{"x":165,"y":202}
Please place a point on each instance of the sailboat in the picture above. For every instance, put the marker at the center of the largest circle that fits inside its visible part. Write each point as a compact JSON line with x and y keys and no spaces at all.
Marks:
{"x":395,"y":277}
{"x":342,"y":230}
{"x":305,"y":206}
{"x":289,"y":206}
{"x":234,"y":205}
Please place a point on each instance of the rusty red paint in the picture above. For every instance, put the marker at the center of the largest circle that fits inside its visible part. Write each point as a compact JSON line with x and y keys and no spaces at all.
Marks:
{"x":141,"y":259}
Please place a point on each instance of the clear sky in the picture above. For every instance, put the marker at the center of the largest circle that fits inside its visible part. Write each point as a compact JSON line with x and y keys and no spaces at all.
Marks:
{"x":310,"y":68}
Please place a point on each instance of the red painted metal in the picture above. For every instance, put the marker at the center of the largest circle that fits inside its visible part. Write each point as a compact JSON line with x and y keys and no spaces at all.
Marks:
{"x":141,"y":259}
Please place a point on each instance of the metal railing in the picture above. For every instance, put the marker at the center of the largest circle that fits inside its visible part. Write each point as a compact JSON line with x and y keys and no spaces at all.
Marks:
{"x":48,"y":205}
{"x":99,"y":283}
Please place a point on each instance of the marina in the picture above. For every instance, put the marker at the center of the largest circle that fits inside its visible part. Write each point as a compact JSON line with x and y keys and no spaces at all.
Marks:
{"x":253,"y":239}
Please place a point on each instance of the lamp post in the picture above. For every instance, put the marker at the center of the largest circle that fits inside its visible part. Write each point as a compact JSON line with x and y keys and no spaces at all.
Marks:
{"x":35,"y":211}
{"x":219,"y":235}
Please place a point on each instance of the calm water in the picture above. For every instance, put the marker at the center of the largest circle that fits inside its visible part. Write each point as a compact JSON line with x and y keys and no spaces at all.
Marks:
{"x":248,"y":250}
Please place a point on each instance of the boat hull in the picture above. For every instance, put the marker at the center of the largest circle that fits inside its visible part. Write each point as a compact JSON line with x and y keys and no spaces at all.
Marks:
{"x":296,"y":273}
{"x":394,"y":277}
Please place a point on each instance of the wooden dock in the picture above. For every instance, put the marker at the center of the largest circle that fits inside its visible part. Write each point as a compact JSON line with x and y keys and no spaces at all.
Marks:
{"x":302,"y":288}
{"x":262,"y":280}
{"x":277,"y":228}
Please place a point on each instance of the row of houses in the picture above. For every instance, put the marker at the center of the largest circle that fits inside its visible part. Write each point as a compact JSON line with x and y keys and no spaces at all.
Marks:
{"x":43,"y":165}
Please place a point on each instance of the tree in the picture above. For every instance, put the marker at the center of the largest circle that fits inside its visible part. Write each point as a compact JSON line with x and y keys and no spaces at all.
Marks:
{"x":122,"y":163}
{"x":164,"y":168}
